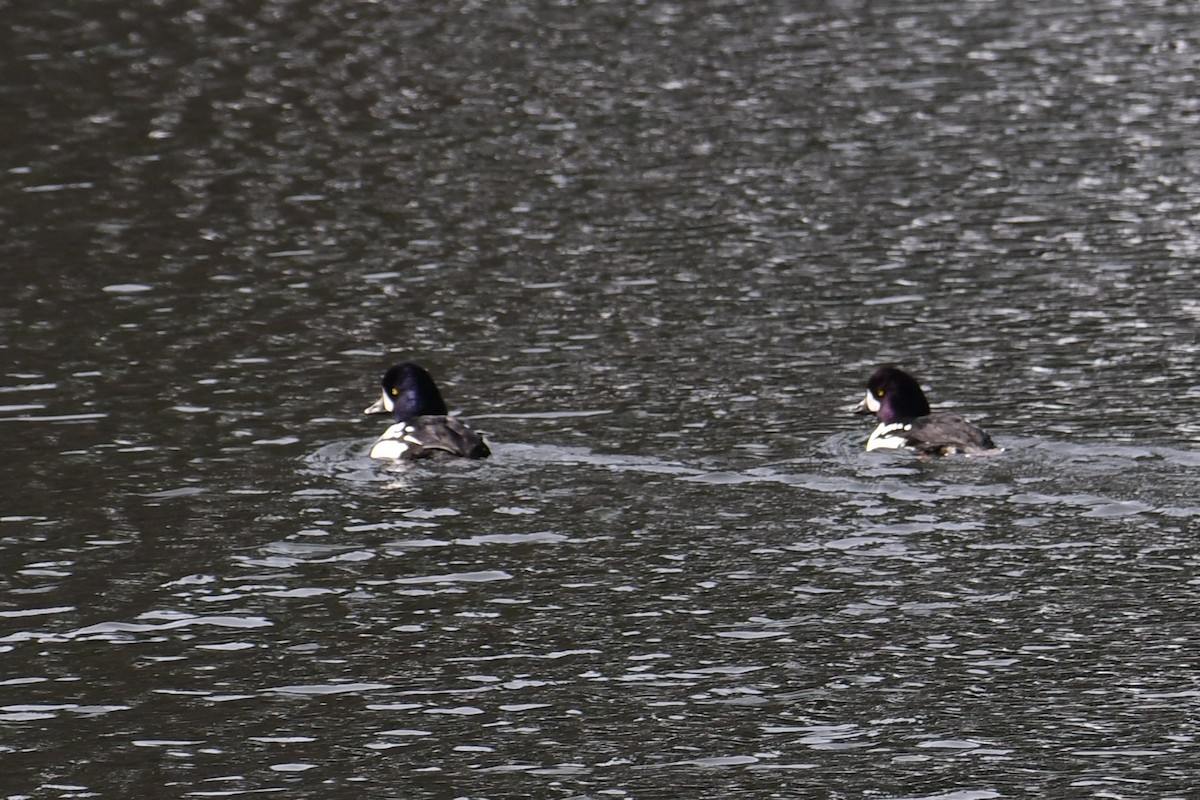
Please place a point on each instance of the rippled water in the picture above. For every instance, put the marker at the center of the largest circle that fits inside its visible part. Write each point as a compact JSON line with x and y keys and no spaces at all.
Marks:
{"x":652,"y":250}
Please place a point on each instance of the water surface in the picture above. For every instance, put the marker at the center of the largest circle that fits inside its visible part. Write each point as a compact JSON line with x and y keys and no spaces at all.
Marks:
{"x":652,"y":251}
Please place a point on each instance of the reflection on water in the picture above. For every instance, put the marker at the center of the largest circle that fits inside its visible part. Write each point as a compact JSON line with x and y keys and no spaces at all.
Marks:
{"x":651,"y":251}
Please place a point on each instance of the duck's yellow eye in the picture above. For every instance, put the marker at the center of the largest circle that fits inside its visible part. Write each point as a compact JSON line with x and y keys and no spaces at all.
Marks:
{"x":395,"y":392}
{"x":879,"y":392}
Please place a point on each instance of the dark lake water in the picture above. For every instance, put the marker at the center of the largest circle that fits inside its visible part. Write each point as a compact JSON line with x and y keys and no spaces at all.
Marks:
{"x":652,"y":250}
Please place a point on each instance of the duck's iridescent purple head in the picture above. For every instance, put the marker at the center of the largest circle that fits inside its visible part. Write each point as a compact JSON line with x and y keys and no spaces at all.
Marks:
{"x":893,"y":395}
{"x":408,"y":391}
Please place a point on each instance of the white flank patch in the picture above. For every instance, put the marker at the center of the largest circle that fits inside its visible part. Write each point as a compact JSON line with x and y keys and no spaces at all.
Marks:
{"x":389,"y":449}
{"x":883,"y":438}
{"x":391,"y":444}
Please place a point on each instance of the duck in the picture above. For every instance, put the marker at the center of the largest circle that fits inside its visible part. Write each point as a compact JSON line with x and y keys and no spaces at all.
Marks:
{"x":906,"y":421}
{"x":423,"y":427}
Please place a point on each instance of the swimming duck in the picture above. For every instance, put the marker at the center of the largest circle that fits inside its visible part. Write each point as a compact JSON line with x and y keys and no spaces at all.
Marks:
{"x":423,"y":426}
{"x":905,"y":419}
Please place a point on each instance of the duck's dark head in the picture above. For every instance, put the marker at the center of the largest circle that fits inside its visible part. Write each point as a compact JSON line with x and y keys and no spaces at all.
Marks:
{"x":893,"y":395}
{"x":408,"y":391}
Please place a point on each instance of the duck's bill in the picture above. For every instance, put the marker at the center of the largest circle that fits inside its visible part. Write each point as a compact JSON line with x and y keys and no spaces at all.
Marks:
{"x":868,"y":405}
{"x":381,"y":406}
